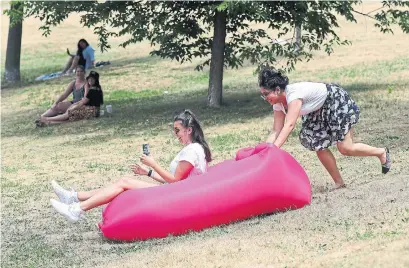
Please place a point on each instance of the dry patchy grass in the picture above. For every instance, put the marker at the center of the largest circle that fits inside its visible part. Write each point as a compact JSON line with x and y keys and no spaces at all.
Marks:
{"x":366,"y":224}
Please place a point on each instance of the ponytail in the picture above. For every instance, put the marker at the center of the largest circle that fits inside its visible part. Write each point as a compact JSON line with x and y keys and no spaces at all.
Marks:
{"x":189,"y":120}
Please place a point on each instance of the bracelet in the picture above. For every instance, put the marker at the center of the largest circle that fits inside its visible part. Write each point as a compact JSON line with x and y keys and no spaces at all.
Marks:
{"x":149,"y":172}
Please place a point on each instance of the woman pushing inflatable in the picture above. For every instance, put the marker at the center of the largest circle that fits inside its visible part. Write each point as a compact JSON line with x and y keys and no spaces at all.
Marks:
{"x":328,"y":115}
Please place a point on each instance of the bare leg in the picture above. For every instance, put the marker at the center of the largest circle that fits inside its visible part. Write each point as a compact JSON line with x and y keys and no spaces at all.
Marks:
{"x":74,"y":64}
{"x":108,"y":193}
{"x":349,"y":148}
{"x":50,"y":112}
{"x":68,"y":65}
{"x":55,"y":120}
{"x":58,"y":118}
{"x":82,"y":196}
{"x":328,"y":160}
{"x":59,"y":108}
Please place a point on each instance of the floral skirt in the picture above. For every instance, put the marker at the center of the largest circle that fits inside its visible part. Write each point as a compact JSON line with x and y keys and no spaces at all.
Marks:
{"x":329,"y":124}
{"x":83,"y":112}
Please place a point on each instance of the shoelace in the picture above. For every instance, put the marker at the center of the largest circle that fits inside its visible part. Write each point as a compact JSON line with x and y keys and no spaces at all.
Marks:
{"x":72,"y":190}
{"x":71,"y":209}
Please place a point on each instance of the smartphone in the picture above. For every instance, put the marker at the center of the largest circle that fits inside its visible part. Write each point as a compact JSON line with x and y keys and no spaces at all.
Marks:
{"x":145,"y":149}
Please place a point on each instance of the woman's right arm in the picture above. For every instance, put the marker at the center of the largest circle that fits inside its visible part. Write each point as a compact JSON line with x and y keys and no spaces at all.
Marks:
{"x":92,"y":57}
{"x":66,"y":93}
{"x":78,"y":104}
{"x":279,"y":119}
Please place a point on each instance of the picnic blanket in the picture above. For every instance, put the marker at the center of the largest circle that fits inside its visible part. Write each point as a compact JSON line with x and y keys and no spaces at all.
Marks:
{"x":45,"y":77}
{"x":48,"y":76}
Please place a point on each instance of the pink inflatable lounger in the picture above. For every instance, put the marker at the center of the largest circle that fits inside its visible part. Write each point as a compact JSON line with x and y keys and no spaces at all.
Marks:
{"x":260,"y":180}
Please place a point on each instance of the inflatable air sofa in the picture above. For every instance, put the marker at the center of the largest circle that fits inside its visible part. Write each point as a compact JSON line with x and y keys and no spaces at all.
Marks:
{"x":260,"y":180}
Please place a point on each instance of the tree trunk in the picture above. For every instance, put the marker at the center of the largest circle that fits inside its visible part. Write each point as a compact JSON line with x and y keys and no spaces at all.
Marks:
{"x":12,"y":68}
{"x":298,"y":35}
{"x":217,"y":61}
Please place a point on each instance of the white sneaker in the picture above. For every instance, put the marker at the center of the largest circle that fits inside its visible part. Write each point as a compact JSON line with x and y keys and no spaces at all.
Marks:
{"x":72,"y":213}
{"x":65,"y":196}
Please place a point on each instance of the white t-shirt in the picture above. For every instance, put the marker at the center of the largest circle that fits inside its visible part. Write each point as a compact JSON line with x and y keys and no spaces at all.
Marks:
{"x":195,"y":155}
{"x":313,"y":96}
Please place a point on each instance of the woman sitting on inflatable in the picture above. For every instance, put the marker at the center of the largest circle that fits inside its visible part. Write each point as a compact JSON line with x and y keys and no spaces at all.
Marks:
{"x":328,"y":115}
{"x":192,"y":160}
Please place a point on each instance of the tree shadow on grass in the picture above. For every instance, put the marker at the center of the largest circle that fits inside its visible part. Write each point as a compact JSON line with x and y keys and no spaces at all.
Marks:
{"x":147,"y":115}
{"x":151,"y":115}
{"x":117,"y":67}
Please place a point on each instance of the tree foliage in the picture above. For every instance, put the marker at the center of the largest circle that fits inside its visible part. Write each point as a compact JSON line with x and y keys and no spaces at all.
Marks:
{"x":181,"y":30}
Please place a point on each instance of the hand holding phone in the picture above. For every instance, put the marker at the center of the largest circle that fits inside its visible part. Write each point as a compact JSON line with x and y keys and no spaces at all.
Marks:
{"x":145,"y":149}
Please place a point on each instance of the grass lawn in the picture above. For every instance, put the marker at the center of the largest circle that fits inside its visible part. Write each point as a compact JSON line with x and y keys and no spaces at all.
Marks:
{"x":364,"y":225}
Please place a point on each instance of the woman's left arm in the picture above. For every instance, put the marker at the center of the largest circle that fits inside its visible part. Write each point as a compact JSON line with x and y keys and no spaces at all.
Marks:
{"x":294,"y":109}
{"x":182,"y":170}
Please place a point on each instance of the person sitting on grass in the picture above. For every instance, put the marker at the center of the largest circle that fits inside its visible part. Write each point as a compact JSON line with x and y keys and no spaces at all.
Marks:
{"x":192,"y":160}
{"x":86,"y":108}
{"x":78,"y":88}
{"x":328,"y":115}
{"x":84,"y":56}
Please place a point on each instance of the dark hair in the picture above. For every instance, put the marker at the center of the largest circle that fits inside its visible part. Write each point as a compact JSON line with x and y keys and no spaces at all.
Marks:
{"x":80,"y":49}
{"x":189,"y":120}
{"x":95,"y":75}
{"x":269,"y":78}
{"x":81,"y":67}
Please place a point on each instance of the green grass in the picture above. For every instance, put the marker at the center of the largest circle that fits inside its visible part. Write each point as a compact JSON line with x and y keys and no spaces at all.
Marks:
{"x":339,"y":229}
{"x":126,"y":95}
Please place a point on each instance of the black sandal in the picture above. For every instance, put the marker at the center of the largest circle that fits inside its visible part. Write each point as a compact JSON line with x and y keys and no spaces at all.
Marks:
{"x":387,"y":165}
{"x":41,"y":124}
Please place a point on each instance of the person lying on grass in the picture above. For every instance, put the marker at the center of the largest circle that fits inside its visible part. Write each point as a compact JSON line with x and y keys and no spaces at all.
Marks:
{"x":88,"y":107}
{"x":192,"y":160}
{"x":328,"y":115}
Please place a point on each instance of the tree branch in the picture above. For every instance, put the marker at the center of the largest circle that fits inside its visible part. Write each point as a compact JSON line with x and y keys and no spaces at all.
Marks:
{"x":353,"y":10}
{"x":375,"y":10}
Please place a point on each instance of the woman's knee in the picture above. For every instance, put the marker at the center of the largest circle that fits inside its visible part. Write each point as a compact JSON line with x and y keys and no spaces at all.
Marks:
{"x":344,"y":149}
{"x":124,"y":182}
{"x":55,"y":110}
{"x":322,"y":152}
{"x":62,"y":107}
{"x":58,"y":107}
